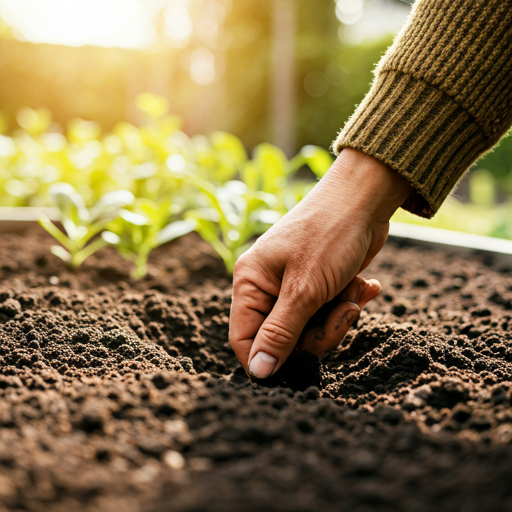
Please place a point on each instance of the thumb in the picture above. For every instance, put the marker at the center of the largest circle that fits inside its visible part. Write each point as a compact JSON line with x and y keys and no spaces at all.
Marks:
{"x":277,"y":337}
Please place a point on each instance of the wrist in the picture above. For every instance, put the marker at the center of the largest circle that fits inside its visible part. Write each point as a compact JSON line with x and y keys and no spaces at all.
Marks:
{"x":370,"y":185}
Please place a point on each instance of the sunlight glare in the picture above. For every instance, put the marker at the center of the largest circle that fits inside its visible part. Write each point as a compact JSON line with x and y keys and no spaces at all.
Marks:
{"x":178,"y":23}
{"x":349,"y":12}
{"x":107,"y":23}
{"x":202,"y":66}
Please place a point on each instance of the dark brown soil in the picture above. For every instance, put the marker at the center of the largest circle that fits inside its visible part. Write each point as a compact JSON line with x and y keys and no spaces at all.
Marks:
{"x":125,"y":396}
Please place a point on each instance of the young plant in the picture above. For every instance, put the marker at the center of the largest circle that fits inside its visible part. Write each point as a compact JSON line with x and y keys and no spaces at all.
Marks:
{"x":318,"y":160}
{"x":218,"y":158}
{"x":238,"y":211}
{"x":136,"y":232}
{"x":270,"y":171}
{"x":81,"y":224}
{"x":234,"y":216}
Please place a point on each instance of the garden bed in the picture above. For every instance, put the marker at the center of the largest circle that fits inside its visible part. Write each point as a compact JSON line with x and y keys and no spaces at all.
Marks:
{"x":125,"y":395}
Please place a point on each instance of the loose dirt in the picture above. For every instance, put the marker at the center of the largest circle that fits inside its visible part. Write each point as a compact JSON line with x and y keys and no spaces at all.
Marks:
{"x":125,"y":396}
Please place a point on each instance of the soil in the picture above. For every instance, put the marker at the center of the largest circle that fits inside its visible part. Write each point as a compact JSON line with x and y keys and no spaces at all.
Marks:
{"x":118,"y":395}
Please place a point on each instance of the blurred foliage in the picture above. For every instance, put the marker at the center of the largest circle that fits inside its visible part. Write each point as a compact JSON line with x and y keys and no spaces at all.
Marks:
{"x":228,"y":197}
{"x":81,"y":224}
{"x":235,"y":211}
{"x":151,"y":154}
{"x":330,"y":77}
{"x":139,"y":230}
{"x":466,"y":217}
{"x":176,"y":183}
{"x":483,"y":202}
{"x":498,"y":162}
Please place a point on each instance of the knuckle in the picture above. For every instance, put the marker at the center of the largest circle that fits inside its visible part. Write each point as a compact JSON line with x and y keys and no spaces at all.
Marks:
{"x":240,"y":264}
{"x":304,"y":290}
{"x":243,"y":268}
{"x":276,"y":335}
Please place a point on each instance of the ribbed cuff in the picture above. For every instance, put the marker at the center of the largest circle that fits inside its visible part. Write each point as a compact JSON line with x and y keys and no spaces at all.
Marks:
{"x":420,"y":132}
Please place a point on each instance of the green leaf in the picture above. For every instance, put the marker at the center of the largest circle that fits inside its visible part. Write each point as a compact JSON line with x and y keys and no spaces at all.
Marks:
{"x":267,"y":216}
{"x":90,"y":249}
{"x":230,"y":144}
{"x":69,"y":202}
{"x":271,"y":166}
{"x":51,"y":228}
{"x":297,"y":162}
{"x":296,"y":192}
{"x":236,"y":187}
{"x":108,"y":205}
{"x":241,"y":250}
{"x":250,"y":175}
{"x":175,"y":230}
{"x":61,"y":253}
{"x":207,"y":188}
{"x":133,"y":218}
{"x":111,"y":238}
{"x":207,"y":228}
{"x":482,"y":187}
{"x":229,"y":155}
{"x":318,"y":159}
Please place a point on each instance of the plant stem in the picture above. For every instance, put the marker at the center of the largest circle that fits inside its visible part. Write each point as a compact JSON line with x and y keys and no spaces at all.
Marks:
{"x":141,"y":268}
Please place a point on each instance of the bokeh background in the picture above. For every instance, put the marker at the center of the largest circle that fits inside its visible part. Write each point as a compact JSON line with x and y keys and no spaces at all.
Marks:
{"x":289,"y":72}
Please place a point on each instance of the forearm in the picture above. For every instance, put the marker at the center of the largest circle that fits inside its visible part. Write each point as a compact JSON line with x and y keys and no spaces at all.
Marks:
{"x":369,"y":184}
{"x":360,"y":188}
{"x":442,"y":96}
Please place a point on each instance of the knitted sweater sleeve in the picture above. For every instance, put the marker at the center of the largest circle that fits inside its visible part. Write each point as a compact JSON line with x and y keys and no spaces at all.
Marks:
{"x":441,"y":97}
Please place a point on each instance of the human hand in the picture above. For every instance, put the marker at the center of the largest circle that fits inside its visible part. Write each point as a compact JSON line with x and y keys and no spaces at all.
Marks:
{"x":328,"y":326}
{"x":307,"y":259}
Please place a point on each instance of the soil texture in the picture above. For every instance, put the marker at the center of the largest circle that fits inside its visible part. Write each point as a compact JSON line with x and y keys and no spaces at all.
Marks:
{"x":117,"y":395}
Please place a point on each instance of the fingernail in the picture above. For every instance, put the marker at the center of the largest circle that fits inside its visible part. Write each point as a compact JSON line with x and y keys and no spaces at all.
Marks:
{"x":351,"y":317}
{"x":262,"y":365}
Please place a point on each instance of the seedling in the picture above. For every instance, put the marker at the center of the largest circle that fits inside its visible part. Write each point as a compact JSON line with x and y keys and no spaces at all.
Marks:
{"x":219,"y":158}
{"x":239,"y":210}
{"x":316,"y":158}
{"x":270,"y":171}
{"x":234,"y":216}
{"x":136,"y":232}
{"x":81,"y":224}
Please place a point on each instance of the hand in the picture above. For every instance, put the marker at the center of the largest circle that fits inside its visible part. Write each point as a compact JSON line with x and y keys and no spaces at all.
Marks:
{"x":329,"y":325}
{"x":308,"y":258}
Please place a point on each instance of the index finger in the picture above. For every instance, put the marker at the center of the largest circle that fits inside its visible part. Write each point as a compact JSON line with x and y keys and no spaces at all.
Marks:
{"x":249,"y":308}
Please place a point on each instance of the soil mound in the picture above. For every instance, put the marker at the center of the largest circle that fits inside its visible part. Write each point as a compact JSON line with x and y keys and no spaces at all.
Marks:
{"x":121,"y":395}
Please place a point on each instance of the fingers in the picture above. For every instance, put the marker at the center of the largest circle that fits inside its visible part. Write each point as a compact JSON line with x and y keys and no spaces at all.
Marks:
{"x":330,"y":325}
{"x":249,"y":308}
{"x":254,"y":295}
{"x":264,"y":330}
{"x":360,"y":291}
{"x":328,"y":336}
{"x":278,"y":336}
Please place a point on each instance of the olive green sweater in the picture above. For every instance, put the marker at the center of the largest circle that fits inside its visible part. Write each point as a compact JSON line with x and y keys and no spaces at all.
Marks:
{"x":441,"y":97}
